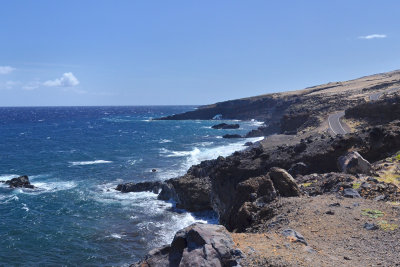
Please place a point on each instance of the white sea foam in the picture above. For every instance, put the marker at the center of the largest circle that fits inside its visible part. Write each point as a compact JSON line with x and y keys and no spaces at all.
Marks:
{"x":183,"y":153}
{"x":47,"y":187}
{"x":256,"y":123}
{"x":81,"y":163}
{"x":5,"y":177}
{"x":162,"y":141}
{"x":106,"y":193}
{"x":25,"y":207}
{"x":198,"y":155}
{"x":116,"y":236}
{"x":8,"y":198}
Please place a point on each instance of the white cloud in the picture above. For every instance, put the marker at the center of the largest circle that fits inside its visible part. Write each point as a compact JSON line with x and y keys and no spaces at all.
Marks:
{"x":6,"y":69}
{"x":373,"y":36}
{"x":31,"y":85}
{"x":9,"y":85}
{"x":67,"y":80}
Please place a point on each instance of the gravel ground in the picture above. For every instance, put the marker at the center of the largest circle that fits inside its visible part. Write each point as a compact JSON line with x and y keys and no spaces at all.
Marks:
{"x":333,"y":228}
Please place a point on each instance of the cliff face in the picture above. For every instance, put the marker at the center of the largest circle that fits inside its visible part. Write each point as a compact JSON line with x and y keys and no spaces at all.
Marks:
{"x":230,"y":177}
{"x":242,"y":109}
{"x":376,"y":112}
{"x":294,"y":111}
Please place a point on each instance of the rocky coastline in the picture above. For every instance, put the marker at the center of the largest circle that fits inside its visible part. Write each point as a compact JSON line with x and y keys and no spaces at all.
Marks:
{"x":300,"y":194}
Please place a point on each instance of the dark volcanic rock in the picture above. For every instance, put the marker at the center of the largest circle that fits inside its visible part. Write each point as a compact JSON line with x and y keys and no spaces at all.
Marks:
{"x":294,"y":236}
{"x":154,"y":187}
{"x":249,"y":193}
{"x":226,"y":126}
{"x":299,"y":168}
{"x":232,"y":136}
{"x":22,"y":181}
{"x":350,"y":193}
{"x":192,"y":193}
{"x":196,"y":245}
{"x":318,"y":184}
{"x":167,"y":192}
{"x":354,"y":163}
{"x":284,"y":183}
{"x":371,"y":226}
{"x":376,"y":112}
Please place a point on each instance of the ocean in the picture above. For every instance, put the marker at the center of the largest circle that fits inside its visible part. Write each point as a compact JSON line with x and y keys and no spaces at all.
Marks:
{"x":76,"y":156}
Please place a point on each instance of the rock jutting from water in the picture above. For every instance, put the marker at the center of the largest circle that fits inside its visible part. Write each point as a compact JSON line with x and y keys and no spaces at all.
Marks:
{"x":22,"y":181}
{"x":226,"y":126}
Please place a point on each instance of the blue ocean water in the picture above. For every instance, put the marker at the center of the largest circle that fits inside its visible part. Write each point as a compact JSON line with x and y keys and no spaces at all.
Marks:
{"x":76,"y":156}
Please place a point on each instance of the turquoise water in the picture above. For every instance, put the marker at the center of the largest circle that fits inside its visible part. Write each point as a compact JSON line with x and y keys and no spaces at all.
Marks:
{"x":75,"y":156}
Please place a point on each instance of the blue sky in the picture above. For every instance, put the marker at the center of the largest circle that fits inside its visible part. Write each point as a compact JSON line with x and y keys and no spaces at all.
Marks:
{"x":187,"y":52}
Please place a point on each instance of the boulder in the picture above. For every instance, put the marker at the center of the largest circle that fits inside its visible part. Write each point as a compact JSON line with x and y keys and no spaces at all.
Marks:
{"x":294,"y":236}
{"x":154,"y":187}
{"x":196,"y":245}
{"x":284,"y":182}
{"x":226,"y":126}
{"x":299,"y":168}
{"x":350,"y":193}
{"x":192,"y":193}
{"x":22,"y":181}
{"x":249,"y":194}
{"x":354,"y":163}
{"x":232,"y":136}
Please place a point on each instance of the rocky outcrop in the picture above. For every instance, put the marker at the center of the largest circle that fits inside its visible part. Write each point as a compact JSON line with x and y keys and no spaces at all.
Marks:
{"x":284,"y":183}
{"x":347,"y":185}
{"x":240,"y":201}
{"x":196,"y":245}
{"x":192,"y":193}
{"x":354,"y":163}
{"x":376,"y":112}
{"x":299,"y":168}
{"x":22,"y":181}
{"x":154,"y":187}
{"x":226,"y":126}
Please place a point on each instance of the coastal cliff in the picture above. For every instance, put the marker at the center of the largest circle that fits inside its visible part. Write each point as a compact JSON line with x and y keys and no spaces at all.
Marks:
{"x":309,"y":178}
{"x":295,"y":111}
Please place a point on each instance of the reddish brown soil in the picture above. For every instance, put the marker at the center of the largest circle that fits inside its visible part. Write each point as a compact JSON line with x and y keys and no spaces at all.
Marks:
{"x":337,"y":239}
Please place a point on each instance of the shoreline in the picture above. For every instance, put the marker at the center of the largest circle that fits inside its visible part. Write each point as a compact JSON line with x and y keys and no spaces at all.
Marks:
{"x":250,"y":195}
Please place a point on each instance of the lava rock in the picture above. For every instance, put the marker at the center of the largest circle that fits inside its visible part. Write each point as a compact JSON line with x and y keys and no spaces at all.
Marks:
{"x":167,"y":192}
{"x":294,"y":236}
{"x":284,"y":182}
{"x":226,"y":126}
{"x":350,"y":193}
{"x":154,"y":187}
{"x":299,"y":168}
{"x":192,"y":193}
{"x":196,"y":245}
{"x":371,"y":226}
{"x":354,"y":163}
{"x":22,"y":181}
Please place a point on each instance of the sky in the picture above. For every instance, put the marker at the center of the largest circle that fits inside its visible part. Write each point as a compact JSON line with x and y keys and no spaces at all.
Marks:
{"x":95,"y":52}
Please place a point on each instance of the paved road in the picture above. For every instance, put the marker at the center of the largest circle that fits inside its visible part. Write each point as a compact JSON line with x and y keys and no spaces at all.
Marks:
{"x":376,"y":96}
{"x":334,"y":119}
{"x":335,"y":124}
